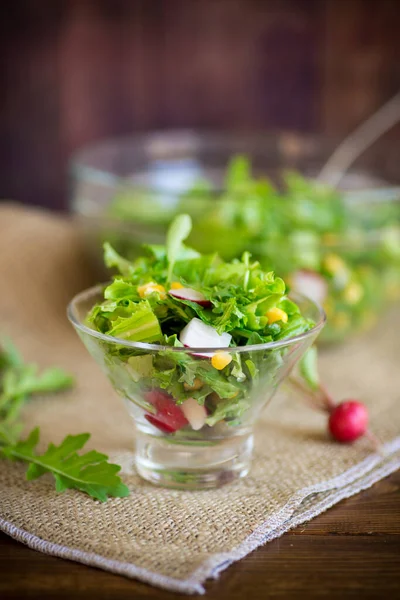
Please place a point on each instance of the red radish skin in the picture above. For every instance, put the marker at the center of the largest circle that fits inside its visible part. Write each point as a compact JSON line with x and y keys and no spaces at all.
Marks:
{"x":190,"y":294}
{"x":159,"y":424}
{"x":311,"y":284}
{"x":348,"y":421}
{"x":169,"y":417}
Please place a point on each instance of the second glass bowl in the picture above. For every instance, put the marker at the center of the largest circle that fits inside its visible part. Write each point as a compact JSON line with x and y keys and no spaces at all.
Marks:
{"x":128,"y":190}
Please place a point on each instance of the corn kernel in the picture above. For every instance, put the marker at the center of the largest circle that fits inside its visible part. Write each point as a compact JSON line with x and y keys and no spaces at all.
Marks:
{"x":151,"y":287}
{"x":334,"y":264}
{"x":197,"y":385}
{"x":276,"y":314}
{"x":176,"y":285}
{"x":220,"y":360}
{"x":353,"y":293}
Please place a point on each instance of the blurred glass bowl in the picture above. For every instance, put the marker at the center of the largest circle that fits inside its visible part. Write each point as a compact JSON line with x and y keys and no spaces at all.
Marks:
{"x":127,"y":191}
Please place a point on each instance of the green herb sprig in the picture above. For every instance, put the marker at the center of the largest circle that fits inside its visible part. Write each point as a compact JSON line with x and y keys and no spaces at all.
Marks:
{"x":90,"y":472}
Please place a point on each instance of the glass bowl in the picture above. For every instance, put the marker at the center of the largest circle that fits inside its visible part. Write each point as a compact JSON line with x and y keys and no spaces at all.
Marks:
{"x":128,"y":190}
{"x":189,"y":445}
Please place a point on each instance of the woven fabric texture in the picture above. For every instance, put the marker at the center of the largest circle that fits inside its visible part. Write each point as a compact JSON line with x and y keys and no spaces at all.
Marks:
{"x":172,"y":539}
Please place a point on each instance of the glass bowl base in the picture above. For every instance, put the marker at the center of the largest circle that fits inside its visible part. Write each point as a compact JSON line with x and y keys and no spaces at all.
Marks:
{"x":195,"y":465}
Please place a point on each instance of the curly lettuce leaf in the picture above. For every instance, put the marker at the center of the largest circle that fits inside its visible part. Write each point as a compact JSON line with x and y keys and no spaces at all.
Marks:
{"x":141,"y":326}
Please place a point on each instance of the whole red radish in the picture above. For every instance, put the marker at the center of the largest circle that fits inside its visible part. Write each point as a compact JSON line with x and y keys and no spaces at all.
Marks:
{"x":348,"y":421}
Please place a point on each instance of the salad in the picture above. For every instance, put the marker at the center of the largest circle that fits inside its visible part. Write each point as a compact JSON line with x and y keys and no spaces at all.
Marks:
{"x":339,"y":252}
{"x":175,"y":299}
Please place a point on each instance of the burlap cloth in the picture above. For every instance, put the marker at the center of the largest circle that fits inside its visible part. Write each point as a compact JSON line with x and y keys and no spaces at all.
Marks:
{"x":172,"y":539}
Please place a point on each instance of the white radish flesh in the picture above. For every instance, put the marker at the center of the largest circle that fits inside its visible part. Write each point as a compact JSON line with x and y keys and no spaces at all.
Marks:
{"x":197,"y":334}
{"x":194,"y":413}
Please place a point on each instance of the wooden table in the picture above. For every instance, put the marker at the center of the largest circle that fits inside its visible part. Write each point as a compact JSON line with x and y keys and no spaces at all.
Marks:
{"x":351,"y":551}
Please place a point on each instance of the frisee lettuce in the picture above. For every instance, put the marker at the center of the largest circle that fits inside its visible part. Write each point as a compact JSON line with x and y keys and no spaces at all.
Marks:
{"x":137,"y":306}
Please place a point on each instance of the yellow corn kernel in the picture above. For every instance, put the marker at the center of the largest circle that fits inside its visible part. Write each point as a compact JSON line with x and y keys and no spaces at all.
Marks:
{"x":220,"y":360}
{"x":176,"y":285}
{"x":353,"y":293}
{"x":334,"y":264}
{"x":197,"y":385}
{"x":276,"y":314}
{"x":151,"y":287}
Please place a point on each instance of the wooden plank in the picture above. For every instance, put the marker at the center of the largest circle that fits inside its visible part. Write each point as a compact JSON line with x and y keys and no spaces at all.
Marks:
{"x":359,"y":68}
{"x":352,"y":551}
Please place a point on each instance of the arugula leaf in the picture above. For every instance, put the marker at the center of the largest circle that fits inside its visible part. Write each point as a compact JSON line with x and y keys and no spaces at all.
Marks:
{"x":89,"y":472}
{"x":9,"y":354}
{"x":18,"y":381}
{"x":178,"y":231}
{"x":228,"y":409}
{"x":24,"y":380}
{"x":50,"y":380}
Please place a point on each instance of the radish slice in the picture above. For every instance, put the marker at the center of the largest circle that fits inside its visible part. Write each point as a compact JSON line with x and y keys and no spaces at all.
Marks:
{"x":197,"y":334}
{"x":160,"y":424}
{"x":195,"y":414}
{"x":310,"y":284}
{"x":190,"y":294}
{"x":169,"y":417}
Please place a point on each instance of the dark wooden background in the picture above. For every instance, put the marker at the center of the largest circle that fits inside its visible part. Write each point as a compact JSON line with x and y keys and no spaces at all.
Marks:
{"x":73,"y":71}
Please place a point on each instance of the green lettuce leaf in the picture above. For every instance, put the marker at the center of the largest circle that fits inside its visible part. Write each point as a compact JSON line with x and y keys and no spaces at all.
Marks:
{"x":141,"y":326}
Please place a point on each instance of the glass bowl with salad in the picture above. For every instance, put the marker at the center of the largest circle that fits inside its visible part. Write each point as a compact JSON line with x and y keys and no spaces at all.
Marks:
{"x":197,"y":347}
{"x":256,"y":193}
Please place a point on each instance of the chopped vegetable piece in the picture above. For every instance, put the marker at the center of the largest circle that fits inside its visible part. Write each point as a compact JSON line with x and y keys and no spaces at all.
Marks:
{"x":220,"y":360}
{"x":168,"y":413}
{"x":150,"y":288}
{"x":276,"y":314}
{"x":195,"y":413}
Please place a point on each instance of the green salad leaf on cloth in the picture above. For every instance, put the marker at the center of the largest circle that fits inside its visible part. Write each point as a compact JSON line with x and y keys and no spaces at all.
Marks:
{"x":89,"y":473}
{"x":176,"y":297}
